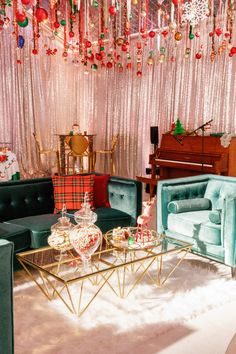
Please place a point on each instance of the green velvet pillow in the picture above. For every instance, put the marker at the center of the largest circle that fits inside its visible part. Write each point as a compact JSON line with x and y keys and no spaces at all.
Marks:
{"x":181,"y":206}
{"x":215,"y":216}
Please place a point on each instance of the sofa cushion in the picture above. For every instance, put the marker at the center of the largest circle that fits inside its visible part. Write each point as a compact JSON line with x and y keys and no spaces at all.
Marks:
{"x":100,"y":191}
{"x":215,"y":216}
{"x":180,"y":206}
{"x":39,"y":226}
{"x":70,"y":190}
{"x":195,"y":224}
{"x":109,"y":218}
{"x":20,"y":235}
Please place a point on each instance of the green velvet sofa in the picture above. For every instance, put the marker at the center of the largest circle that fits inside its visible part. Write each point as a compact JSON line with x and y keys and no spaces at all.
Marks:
{"x":26,"y":210}
{"x":200,"y":210}
{"x":6,"y":298}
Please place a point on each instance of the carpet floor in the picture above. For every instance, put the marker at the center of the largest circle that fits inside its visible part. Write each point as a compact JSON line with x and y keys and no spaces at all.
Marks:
{"x":150,"y":320}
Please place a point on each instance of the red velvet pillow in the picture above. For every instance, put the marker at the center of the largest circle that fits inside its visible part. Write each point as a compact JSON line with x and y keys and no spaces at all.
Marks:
{"x":70,"y":190}
{"x":100,"y":191}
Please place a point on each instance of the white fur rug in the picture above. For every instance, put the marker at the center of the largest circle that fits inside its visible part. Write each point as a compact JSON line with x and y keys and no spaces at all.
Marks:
{"x":112,"y":325}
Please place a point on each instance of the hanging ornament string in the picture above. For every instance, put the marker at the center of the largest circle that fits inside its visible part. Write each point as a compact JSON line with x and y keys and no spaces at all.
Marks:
{"x":14,"y":21}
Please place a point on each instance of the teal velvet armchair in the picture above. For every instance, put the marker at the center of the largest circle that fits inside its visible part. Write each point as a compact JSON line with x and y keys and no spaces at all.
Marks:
{"x":200,"y":210}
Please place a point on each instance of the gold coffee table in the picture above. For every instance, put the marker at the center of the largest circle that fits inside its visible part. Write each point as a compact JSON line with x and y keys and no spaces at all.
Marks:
{"x":119,"y":269}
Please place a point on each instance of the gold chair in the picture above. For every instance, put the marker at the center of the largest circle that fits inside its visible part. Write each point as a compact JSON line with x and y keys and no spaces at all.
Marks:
{"x":110,"y":152}
{"x":78,"y":150}
{"x":41,"y":152}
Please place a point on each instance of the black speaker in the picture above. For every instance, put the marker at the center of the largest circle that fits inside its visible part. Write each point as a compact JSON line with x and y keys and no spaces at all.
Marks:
{"x":154,"y":135}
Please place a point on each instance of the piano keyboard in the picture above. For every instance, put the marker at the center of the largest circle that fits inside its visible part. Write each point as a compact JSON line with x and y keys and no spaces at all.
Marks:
{"x":184,"y":162}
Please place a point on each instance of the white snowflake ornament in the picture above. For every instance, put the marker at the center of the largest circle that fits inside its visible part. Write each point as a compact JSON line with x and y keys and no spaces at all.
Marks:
{"x":195,"y":11}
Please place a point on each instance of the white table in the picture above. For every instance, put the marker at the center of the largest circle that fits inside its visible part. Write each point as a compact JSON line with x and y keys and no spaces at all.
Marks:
{"x":9,"y":169}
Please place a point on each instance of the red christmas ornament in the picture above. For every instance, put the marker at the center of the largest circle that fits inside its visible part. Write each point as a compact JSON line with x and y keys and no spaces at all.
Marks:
{"x":41,"y":14}
{"x":34,"y":51}
{"x":211,"y":34}
{"x":198,"y":55}
{"x":233,"y":50}
{"x":25,"y":2}
{"x":71,"y":34}
{"x":227,"y":34}
{"x":56,"y":24}
{"x":176,"y":2}
{"x":124,"y":48}
{"x":73,"y":17}
{"x":152,"y":34}
{"x":164,"y":33}
{"x":65,"y":54}
{"x":112,"y":10}
{"x":20,"y":16}
{"x":98,"y":56}
{"x":109,"y":65}
{"x":218,"y":31}
{"x":139,"y":73}
{"x":129,"y":66}
{"x":88,"y":44}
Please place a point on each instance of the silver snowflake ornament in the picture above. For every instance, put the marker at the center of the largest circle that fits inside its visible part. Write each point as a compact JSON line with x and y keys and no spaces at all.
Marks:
{"x":195,"y":11}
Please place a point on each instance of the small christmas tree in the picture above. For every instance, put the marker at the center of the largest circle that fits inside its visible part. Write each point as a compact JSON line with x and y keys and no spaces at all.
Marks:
{"x":178,"y":128}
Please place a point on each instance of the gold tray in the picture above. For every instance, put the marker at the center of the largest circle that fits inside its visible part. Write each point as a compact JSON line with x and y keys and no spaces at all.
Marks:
{"x":151,"y":239}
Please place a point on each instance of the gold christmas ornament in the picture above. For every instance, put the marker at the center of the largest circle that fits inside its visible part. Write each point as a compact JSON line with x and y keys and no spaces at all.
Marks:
{"x":178,"y":36}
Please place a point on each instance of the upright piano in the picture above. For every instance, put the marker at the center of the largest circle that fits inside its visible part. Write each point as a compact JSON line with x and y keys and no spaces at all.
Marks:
{"x":193,"y":155}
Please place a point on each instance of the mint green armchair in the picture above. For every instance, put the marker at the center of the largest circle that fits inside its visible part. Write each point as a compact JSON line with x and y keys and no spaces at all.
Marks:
{"x":200,"y":210}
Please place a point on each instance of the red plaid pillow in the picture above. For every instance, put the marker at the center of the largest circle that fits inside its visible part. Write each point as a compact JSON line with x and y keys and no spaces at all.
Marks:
{"x":70,"y":190}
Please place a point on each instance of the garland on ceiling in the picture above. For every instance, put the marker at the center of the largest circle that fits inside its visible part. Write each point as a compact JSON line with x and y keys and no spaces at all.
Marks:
{"x":102,"y":34}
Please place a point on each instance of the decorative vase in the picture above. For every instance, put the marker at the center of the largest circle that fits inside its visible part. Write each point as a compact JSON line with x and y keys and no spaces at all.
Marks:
{"x":85,"y":236}
{"x":60,"y":235}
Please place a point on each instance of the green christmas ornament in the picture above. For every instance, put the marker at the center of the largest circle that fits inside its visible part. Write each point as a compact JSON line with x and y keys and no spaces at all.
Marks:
{"x":162,"y":50}
{"x":63,"y":22}
{"x":191,"y":36}
{"x":178,"y":128}
{"x":95,"y":4}
{"x":94,"y":67}
{"x":24,"y":23}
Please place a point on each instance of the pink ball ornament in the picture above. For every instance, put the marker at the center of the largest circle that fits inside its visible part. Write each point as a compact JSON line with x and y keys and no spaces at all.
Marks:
{"x":41,"y":14}
{"x":139,"y":73}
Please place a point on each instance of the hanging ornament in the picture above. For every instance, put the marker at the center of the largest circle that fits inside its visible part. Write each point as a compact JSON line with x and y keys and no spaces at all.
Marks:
{"x":139,"y":73}
{"x":20,"y":16}
{"x":218,"y":31}
{"x":198,"y":55}
{"x":26,"y":2}
{"x":109,"y":65}
{"x":178,"y":36}
{"x":195,"y":11}
{"x":177,"y":2}
{"x":152,"y":34}
{"x":112,"y":10}
{"x":21,"y":41}
{"x":164,"y":33}
{"x":24,"y":23}
{"x":41,"y":14}
{"x":172,"y":26}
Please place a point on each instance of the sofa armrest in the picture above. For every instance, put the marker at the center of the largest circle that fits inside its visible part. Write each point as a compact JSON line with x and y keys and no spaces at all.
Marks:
{"x":177,"y":189}
{"x":229,"y":229}
{"x":6,"y":297}
{"x":126,"y":195}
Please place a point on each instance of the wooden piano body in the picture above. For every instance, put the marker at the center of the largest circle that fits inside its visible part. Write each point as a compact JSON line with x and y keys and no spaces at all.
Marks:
{"x":193,"y":155}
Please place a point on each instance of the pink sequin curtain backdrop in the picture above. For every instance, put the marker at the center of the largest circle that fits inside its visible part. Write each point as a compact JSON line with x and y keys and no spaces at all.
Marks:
{"x":47,"y":94}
